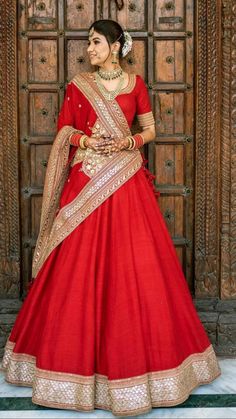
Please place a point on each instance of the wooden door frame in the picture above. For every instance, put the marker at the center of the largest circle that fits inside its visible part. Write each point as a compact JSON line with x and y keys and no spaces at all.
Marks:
{"x":207,"y":144}
{"x":9,"y":154}
{"x":215,"y":153}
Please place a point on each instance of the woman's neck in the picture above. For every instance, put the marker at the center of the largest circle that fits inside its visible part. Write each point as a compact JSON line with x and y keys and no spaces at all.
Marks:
{"x":109,"y":67}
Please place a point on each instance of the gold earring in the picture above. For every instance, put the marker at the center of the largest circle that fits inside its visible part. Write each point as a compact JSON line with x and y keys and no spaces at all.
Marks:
{"x":114,"y":59}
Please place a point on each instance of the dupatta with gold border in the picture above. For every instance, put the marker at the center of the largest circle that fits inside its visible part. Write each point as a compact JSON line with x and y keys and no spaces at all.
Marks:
{"x":106,"y":174}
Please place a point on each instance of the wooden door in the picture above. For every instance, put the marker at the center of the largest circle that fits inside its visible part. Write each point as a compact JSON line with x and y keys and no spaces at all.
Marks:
{"x":52,"y":49}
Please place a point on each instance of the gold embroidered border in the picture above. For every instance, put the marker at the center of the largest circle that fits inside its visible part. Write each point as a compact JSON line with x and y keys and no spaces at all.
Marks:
{"x":146,"y":119}
{"x":55,"y":167}
{"x":130,"y":86}
{"x":56,"y":173}
{"x":129,"y":396}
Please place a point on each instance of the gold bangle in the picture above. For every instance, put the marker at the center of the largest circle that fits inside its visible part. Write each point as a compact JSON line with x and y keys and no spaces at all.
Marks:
{"x":131,"y":142}
{"x":128,"y":138}
{"x":82,"y":140}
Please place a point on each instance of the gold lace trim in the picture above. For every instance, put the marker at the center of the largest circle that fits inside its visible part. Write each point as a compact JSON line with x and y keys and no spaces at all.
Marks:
{"x":129,"y":396}
{"x":130,"y":86}
{"x":146,"y":119}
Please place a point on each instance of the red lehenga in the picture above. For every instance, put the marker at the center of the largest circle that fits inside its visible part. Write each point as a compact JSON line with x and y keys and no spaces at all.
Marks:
{"x":109,"y":321}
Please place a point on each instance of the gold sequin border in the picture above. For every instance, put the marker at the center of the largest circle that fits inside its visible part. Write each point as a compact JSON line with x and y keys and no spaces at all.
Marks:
{"x":129,"y":396}
{"x":146,"y":119}
{"x":131,"y":84}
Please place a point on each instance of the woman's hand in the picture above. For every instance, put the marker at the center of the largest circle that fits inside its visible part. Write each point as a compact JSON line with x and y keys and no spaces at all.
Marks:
{"x":92,"y":142}
{"x":108,"y":145}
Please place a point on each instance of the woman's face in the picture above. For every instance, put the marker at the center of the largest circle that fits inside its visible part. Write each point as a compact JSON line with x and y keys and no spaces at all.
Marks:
{"x":98,"y":49}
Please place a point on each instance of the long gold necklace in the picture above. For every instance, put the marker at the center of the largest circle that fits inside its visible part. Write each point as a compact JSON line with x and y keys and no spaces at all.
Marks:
{"x":109,"y":95}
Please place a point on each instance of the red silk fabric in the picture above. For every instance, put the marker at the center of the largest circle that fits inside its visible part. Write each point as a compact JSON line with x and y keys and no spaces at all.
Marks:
{"x":112,"y":297}
{"x":77,"y":111}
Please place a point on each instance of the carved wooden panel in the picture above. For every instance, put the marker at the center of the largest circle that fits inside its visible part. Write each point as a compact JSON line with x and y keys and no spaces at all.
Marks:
{"x":136,"y":60}
{"x":228,"y":154}
{"x":80,"y":15}
{"x":173,"y":154}
{"x":133,"y":14}
{"x":169,"y":15}
{"x":42,"y":61}
{"x":9,"y":164}
{"x":40,"y":14}
{"x":208,"y":141}
{"x":171,"y":54}
{"x":170,"y":114}
{"x":77,"y":58}
{"x":43,"y":108}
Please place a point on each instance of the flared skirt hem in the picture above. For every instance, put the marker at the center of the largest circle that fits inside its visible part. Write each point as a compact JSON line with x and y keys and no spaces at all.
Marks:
{"x":126,"y":396}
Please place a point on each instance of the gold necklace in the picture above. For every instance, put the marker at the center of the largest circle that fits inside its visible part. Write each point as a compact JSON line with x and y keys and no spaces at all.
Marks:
{"x":113,"y":93}
{"x":110,"y":75}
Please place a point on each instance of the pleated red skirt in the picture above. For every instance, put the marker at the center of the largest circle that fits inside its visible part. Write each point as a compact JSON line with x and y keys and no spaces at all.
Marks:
{"x":112,"y":298}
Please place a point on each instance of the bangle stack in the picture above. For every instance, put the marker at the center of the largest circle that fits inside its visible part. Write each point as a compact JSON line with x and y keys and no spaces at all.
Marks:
{"x":74,"y":139}
{"x":135,"y":141}
{"x":139,"y":140}
{"x":131,"y":142}
{"x":78,"y":140}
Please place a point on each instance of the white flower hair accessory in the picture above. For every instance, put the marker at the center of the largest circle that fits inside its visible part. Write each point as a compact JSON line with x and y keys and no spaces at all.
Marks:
{"x":127,"y":45}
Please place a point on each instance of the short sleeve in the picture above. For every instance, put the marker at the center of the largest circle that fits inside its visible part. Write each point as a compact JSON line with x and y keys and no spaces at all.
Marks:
{"x":143,"y":106}
{"x":66,"y":114}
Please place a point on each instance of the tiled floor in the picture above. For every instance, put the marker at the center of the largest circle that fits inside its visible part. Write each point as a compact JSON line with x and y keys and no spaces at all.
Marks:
{"x":215,"y":400}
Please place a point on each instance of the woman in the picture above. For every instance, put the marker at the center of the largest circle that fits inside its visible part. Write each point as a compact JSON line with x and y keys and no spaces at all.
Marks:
{"x":109,"y":321}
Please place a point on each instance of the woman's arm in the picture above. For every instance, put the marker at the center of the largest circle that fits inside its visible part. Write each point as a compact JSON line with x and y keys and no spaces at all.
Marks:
{"x":148,"y":133}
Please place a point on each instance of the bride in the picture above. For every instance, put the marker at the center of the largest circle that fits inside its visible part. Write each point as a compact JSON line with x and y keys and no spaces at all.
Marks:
{"x":108,"y":321}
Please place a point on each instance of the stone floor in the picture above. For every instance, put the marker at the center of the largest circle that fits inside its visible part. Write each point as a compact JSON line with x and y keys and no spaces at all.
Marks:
{"x":215,"y":400}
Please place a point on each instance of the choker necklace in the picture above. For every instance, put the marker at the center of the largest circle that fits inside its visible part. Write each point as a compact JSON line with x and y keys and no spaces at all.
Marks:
{"x":110,"y":75}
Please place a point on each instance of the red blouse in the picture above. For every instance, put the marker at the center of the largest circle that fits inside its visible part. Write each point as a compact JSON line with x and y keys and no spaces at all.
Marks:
{"x":78,"y":112}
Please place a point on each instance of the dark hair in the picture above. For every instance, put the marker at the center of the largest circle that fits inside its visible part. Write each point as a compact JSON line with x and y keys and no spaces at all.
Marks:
{"x":111,"y":30}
